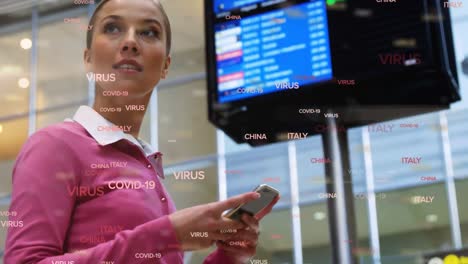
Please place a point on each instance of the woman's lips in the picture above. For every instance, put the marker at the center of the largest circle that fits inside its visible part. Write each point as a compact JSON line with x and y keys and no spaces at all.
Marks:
{"x":128,"y":66}
{"x":127,"y":71}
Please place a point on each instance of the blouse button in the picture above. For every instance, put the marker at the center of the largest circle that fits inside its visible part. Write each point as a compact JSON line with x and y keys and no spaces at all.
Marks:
{"x":163,"y":199}
{"x":149,"y":166}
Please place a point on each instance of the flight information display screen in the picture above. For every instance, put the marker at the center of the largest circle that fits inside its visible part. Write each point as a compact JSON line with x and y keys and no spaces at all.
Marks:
{"x":269,"y":46}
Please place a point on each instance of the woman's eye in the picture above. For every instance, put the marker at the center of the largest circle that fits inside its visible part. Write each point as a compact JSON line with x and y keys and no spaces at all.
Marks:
{"x":150,"y":33}
{"x":110,"y":28}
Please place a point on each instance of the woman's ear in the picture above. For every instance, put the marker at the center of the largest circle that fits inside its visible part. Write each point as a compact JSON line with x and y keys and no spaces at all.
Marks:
{"x":87,"y":60}
{"x":165,"y":70}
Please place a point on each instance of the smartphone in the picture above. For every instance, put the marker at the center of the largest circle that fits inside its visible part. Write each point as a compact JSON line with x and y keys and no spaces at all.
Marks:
{"x":267,"y":195}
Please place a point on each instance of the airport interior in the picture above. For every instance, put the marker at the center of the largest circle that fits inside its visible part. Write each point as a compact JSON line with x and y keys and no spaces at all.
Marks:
{"x":403,"y":212}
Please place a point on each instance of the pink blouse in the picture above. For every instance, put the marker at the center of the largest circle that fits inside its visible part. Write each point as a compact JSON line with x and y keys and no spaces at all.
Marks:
{"x":84,"y":194}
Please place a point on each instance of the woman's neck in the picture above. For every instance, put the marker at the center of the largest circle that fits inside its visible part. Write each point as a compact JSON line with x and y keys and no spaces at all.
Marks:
{"x":123,"y":111}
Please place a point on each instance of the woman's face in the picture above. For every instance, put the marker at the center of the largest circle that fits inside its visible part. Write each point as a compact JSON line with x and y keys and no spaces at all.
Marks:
{"x":129,"y":47}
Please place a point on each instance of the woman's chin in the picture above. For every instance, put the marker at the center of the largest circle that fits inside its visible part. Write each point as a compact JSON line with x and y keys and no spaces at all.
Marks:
{"x":133,"y":88}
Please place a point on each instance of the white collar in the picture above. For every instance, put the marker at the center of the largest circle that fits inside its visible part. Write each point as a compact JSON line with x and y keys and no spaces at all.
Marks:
{"x":92,"y":120}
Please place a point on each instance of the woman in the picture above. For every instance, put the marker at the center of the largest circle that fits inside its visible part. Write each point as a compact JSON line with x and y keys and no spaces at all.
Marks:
{"x":88,"y":191}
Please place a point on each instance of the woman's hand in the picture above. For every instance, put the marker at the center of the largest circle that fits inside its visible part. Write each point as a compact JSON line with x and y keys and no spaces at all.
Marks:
{"x":243,"y":245}
{"x":199,"y":227}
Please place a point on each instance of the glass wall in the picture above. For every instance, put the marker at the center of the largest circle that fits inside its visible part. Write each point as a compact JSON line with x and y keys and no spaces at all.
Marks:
{"x":15,"y":53}
{"x":62,"y":80}
{"x":183,"y":128}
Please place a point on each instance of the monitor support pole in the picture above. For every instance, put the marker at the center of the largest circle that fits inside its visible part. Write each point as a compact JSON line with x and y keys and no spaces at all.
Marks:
{"x":338,"y":181}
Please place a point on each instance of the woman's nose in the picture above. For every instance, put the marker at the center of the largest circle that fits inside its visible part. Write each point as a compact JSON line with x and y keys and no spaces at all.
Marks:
{"x":130,"y":44}
{"x":130,"y":47}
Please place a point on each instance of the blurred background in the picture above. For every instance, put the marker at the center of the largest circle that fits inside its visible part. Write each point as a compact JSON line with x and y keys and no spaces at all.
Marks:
{"x":43,"y":81}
